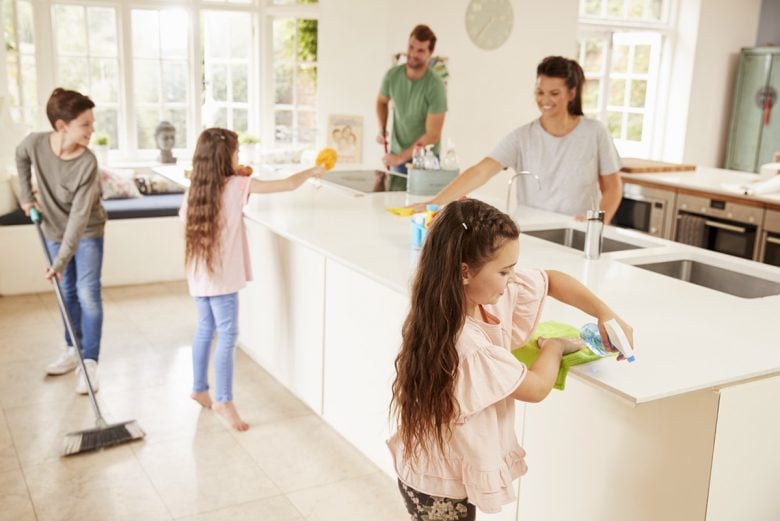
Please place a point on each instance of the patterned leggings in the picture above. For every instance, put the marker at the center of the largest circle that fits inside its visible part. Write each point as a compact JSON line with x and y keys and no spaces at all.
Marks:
{"x":422,"y":507}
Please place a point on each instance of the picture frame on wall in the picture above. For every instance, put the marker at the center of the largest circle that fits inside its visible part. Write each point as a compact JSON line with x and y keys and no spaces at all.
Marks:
{"x":345,"y":135}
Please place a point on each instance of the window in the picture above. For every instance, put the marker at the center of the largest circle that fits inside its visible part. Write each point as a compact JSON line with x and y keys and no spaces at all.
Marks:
{"x":160,"y":73}
{"x":295,"y":80}
{"x":620,"y":51}
{"x":20,"y":60}
{"x":87,"y":59}
{"x":227,"y":69}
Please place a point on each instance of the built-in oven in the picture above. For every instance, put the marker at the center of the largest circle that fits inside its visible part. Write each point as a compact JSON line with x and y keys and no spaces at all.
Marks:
{"x":646,"y":209}
{"x":770,"y":239}
{"x":718,"y":225}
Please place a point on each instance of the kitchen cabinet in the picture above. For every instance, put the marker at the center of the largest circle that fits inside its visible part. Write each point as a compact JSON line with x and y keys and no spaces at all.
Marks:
{"x":754,"y":133}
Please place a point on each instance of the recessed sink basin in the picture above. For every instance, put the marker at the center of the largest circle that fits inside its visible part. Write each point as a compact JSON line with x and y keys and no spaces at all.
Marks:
{"x":714,"y":277}
{"x":576,"y":239}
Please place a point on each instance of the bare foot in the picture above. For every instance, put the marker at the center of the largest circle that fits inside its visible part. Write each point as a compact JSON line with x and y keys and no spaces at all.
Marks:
{"x":228,"y":411}
{"x":202,"y":398}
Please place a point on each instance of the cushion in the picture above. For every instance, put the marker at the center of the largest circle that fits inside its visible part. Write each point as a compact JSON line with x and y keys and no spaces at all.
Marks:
{"x":8,"y":200}
{"x":149,"y":183}
{"x":163,"y":205}
{"x":117,"y":184}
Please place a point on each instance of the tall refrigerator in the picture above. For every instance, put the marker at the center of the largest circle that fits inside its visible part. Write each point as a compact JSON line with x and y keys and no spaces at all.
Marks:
{"x":754,"y":133}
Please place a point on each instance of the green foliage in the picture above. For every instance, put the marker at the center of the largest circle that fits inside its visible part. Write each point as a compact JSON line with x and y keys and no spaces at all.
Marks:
{"x":100,"y":139}
{"x":307,"y":40}
{"x":248,"y":139}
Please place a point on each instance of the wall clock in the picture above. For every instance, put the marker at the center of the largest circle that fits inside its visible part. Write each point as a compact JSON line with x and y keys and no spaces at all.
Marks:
{"x":489,"y":22}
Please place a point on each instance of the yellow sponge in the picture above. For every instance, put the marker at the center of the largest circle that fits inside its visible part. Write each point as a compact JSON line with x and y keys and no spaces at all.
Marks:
{"x":326,"y":158}
{"x":401,"y":212}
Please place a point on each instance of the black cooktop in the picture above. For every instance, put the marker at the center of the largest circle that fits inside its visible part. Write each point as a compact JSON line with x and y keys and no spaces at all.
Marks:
{"x":367,"y":181}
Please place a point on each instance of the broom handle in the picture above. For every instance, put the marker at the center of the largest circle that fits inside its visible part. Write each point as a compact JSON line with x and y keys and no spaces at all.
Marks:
{"x":36,"y":218}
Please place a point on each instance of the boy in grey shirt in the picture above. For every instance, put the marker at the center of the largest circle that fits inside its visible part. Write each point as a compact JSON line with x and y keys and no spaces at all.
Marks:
{"x":73,"y":220}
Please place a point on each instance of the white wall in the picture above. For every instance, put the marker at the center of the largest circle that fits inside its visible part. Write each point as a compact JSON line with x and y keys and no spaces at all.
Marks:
{"x":724,"y":27}
{"x":489,"y":92}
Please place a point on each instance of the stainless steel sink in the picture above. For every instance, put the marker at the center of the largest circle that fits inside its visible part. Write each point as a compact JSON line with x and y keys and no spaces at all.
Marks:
{"x":714,"y":277}
{"x":576,"y":239}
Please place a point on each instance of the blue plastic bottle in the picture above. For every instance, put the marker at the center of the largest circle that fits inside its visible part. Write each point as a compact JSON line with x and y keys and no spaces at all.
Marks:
{"x":592,"y":338}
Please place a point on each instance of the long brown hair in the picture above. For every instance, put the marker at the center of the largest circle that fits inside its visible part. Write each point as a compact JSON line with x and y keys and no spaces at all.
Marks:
{"x":423,"y":403}
{"x":569,"y":71}
{"x":212,"y":164}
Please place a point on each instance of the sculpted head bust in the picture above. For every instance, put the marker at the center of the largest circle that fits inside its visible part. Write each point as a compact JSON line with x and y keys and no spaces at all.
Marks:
{"x":165,"y":136}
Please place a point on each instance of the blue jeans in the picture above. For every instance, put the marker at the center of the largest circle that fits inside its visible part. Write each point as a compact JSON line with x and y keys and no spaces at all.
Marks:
{"x":215,"y":314}
{"x":81,"y":291}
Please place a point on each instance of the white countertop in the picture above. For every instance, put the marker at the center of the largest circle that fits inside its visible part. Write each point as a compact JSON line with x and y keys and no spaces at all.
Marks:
{"x":713,"y":180}
{"x":687,"y":337}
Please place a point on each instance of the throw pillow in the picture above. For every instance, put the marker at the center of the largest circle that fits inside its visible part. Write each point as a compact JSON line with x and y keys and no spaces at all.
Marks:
{"x":150,"y":183}
{"x":115,"y":184}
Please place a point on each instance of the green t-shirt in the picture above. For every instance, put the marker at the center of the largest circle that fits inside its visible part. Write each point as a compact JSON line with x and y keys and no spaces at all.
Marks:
{"x":412,"y":102}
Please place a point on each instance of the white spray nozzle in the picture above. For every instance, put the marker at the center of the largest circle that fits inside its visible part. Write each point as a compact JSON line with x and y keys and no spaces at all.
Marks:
{"x":619,"y":339}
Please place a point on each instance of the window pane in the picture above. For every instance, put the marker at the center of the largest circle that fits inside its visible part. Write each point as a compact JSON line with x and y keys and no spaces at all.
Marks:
{"x":283,"y":80}
{"x":283,"y":126}
{"x":654,"y":12}
{"x":306,"y":93}
{"x":634,"y":127}
{"x":146,"y":77}
{"x":145,"y":34}
{"x":590,"y":95}
{"x":29,"y":83}
{"x":147,"y":119}
{"x":636,"y":9}
{"x":12,"y":66}
{"x":24,"y":13}
{"x":74,"y":74}
{"x":70,"y":28}
{"x":614,"y":123}
{"x":240,"y":35}
{"x":216,"y":42}
{"x":217,"y":82}
{"x":592,"y":7}
{"x":102,"y":31}
{"x":620,"y":58}
{"x":307,"y":127}
{"x":173,"y":39}
{"x":615,"y":8}
{"x":9,"y":26}
{"x":238,"y":78}
{"x":284,"y":39}
{"x":220,"y":118}
{"x":105,"y":80}
{"x":240,"y":120}
{"x":641,"y":59}
{"x":307,"y":40}
{"x":638,"y":93}
{"x":174,"y":81}
{"x":594,"y":55}
{"x":106,"y":121}
{"x":617,"y":92}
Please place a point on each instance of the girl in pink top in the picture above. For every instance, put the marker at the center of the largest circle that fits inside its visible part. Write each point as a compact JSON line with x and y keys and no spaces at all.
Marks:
{"x":457,"y":380}
{"x":217,"y":258}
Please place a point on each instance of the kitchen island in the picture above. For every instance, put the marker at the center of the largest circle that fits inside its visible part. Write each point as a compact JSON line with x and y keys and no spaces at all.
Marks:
{"x":688,"y":432}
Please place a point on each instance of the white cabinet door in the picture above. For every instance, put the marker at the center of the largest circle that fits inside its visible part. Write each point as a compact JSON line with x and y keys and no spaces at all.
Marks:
{"x":281,"y":312}
{"x":362,"y":336}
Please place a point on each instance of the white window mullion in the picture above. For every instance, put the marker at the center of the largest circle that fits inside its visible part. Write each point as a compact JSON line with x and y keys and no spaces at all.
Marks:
{"x":197,"y":76}
{"x":128,"y":137}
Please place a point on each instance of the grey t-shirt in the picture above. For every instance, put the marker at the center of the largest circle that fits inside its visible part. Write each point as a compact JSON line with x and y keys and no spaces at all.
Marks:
{"x":568,"y":167}
{"x":68,"y":194}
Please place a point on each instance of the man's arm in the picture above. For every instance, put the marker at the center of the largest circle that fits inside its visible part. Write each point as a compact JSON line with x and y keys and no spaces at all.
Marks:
{"x":433,"y":125}
{"x":611,"y":194}
{"x":382,"y":111}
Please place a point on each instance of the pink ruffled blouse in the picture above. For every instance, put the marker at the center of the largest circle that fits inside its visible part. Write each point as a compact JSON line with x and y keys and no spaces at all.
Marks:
{"x":483,"y":456}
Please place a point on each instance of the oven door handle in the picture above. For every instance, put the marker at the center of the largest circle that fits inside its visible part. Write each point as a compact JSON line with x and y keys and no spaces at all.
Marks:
{"x":772,"y":240}
{"x":727,"y":227}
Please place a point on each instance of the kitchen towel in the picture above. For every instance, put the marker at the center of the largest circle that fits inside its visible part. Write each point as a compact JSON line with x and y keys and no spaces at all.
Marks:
{"x":401,"y":212}
{"x":691,"y":230}
{"x":530,"y":351}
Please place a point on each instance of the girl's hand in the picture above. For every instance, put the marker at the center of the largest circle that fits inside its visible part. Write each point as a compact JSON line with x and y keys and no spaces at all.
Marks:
{"x":566,"y":345}
{"x":628,"y":330}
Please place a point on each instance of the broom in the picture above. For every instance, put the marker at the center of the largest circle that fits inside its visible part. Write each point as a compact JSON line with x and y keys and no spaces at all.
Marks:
{"x":104,"y":434}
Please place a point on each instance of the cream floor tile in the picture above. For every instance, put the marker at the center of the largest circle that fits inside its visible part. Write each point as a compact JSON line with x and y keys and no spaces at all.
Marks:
{"x":374,"y":497}
{"x":211,"y":472}
{"x":8,"y":458}
{"x":38,"y":429}
{"x":40,"y":343}
{"x":303,"y":452}
{"x":110,"y":484}
{"x":276,"y":508}
{"x":15,"y":503}
{"x":25,"y":382}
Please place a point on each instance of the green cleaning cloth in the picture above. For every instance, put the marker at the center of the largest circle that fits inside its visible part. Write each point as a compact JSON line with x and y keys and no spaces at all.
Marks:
{"x":530,"y":351}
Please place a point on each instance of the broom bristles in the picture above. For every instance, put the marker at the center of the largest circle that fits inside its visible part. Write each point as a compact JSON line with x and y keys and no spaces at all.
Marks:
{"x":99,"y":437}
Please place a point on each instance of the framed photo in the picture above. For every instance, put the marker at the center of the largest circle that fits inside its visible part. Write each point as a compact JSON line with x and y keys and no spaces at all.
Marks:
{"x":345,"y":135}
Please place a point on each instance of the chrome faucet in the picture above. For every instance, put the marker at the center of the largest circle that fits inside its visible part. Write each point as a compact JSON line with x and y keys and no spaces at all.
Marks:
{"x":512,"y":181}
{"x":593,"y":233}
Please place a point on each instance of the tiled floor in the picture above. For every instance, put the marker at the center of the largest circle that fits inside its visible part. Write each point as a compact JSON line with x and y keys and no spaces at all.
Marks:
{"x":289,"y":466}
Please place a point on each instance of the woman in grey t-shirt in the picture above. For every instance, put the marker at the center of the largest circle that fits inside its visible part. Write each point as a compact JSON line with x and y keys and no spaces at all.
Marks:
{"x":573,"y":157}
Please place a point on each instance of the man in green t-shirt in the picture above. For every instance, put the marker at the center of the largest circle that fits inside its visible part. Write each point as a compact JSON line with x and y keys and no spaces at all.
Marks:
{"x":419,"y":102}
